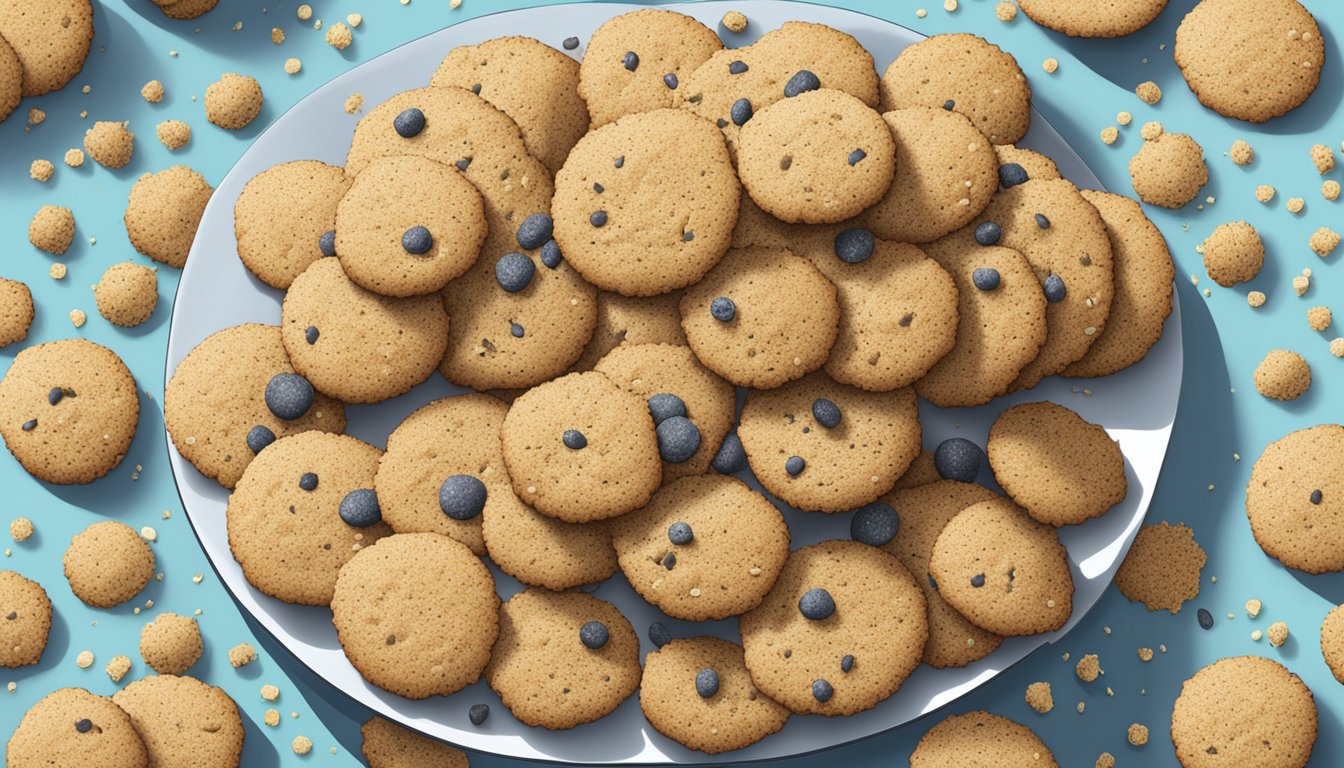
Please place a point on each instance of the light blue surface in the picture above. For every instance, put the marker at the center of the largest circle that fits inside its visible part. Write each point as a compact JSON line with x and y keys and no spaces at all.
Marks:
{"x":1224,"y":339}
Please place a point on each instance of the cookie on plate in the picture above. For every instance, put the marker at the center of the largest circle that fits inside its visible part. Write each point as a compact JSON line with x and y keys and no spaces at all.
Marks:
{"x":1245,"y":710}
{"x":1029,"y":163}
{"x":163,"y":211}
{"x":1295,"y":487}
{"x":107,"y":564}
{"x":544,"y":551}
{"x":632,"y":320}
{"x":184,"y":721}
{"x":70,"y":728}
{"x":17,"y":314}
{"x":1114,"y":19}
{"x":980,"y":740}
{"x":281,"y":216}
{"x":51,"y":40}
{"x":25,"y":620}
{"x":388,"y":745}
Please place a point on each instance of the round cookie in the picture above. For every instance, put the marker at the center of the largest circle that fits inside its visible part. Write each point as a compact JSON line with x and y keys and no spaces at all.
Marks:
{"x":666,"y":209}
{"x":946,"y":173}
{"x":163,"y":211}
{"x":171,"y":644}
{"x":844,"y":467}
{"x":281,"y":215}
{"x":879,"y":620}
{"x":17,"y":311}
{"x":999,"y":331}
{"x":184,"y":721}
{"x":127,"y":294}
{"x":672,"y":697}
{"x":25,"y":620}
{"x":408,"y":225}
{"x":764,"y":342}
{"x":1245,"y":710}
{"x":110,"y":144}
{"x":546,"y":675}
{"x":818,"y":158}
{"x":86,"y":432}
{"x":923,"y":512}
{"x":545,"y":552}
{"x":11,"y":79}
{"x":233,"y":101}
{"x":980,"y":740}
{"x":368,"y":347}
{"x":580,"y":448}
{"x":1142,"y":275}
{"x":51,"y":40}
{"x":614,"y":84}
{"x":1169,"y":170}
{"x":385,"y":593}
{"x":1250,"y":59}
{"x":188,"y":9}
{"x":1112,"y":19}
{"x":1290,"y":521}
{"x":52,"y":229}
{"x":388,"y":745}
{"x":1162,"y":567}
{"x":1061,"y":469}
{"x":1282,"y":375}
{"x":107,"y":564}
{"x":1003,"y":571}
{"x":1332,"y":641}
{"x":291,"y":542}
{"x":72,"y":728}
{"x":217,"y":396}
{"x":1233,"y":253}
{"x":530,"y":82}
{"x":1035,"y":164}
{"x":711,"y":403}
{"x":966,"y":74}
{"x":739,"y":542}
{"x":632,"y":320}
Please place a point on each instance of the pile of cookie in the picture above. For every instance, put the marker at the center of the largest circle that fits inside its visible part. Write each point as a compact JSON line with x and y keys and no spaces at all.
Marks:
{"x":607,"y":251}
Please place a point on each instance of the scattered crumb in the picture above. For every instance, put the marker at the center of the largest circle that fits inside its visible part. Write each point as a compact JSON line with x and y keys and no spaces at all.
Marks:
{"x":271,"y":718}
{"x":270,"y":692}
{"x":1050,"y":65}
{"x":1105,"y":760}
{"x":77,"y":318}
{"x":353,"y":103}
{"x":1296,"y":204}
{"x":242,"y":654}
{"x":293,"y":66}
{"x":1324,"y":241}
{"x":21,"y":529}
{"x":1137,"y":734}
{"x":1124,"y":118}
{"x":41,"y":170}
{"x":453,"y":5}
{"x":1088,"y":668}
{"x":152,"y":92}
{"x":734,"y":21}
{"x":304,"y":12}
{"x":74,"y":158}
{"x":1318,"y":318}
{"x":950,"y":6}
{"x":1323,"y":158}
{"x":149,"y":534}
{"x":57,"y":271}
{"x":921,"y":13}
{"x":1006,"y":11}
{"x":1082,"y":705}
{"x":339,"y":36}
{"x":36,"y":116}
{"x":1330,"y":190}
{"x":1278,"y":633}
{"x":1148,"y":92}
{"x":117,"y":668}
{"x":174,"y":134}
{"x":1257,"y":635}
{"x":1109,"y":134}
{"x":1039,"y":698}
{"x":302,"y":745}
{"x":1151,"y":130}
{"x":277,"y":35}
{"x":1301,"y":283}
{"x":354,"y":19}
{"x":1241,"y":153}
{"x":1337,"y":347}
{"x":1253,"y":607}
{"x":1145,"y":654}
{"x":84,"y":660}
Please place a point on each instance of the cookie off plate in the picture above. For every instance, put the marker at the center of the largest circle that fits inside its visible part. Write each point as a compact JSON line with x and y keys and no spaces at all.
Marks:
{"x":1137,"y":407}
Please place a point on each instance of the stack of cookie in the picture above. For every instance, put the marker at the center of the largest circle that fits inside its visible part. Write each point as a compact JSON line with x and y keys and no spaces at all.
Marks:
{"x":608,"y":251}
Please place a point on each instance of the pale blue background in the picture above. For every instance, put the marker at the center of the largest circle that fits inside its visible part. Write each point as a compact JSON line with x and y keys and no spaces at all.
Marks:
{"x":1220,"y":411}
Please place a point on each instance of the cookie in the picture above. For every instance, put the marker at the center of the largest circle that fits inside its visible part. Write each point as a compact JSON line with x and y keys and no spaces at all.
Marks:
{"x":110,"y":144}
{"x":697,"y":692}
{"x":530,"y":82}
{"x":1061,"y":469}
{"x":1003,"y":571}
{"x":1249,"y":59}
{"x":946,"y":173}
{"x":388,"y":745}
{"x":184,"y":721}
{"x":666,"y":207}
{"x":284,"y":522}
{"x":368,"y":347}
{"x":562,"y":658}
{"x":50,"y":39}
{"x":127,"y":294}
{"x":382,"y":598}
{"x":849,"y":658}
{"x":107,"y":564}
{"x":829,"y":469}
{"x":580,"y":448}
{"x":923,"y":512}
{"x":652,"y":370}
{"x":1282,"y":375}
{"x":80,"y":433}
{"x":543,"y":551}
{"x":980,"y":740}
{"x":1114,"y":19}
{"x":52,"y":229}
{"x":215,"y":403}
{"x":1032,"y":165}
{"x":1295,"y":486}
{"x":635,"y":62}
{"x":163,"y":211}
{"x":1332,"y":641}
{"x":281,"y":216}
{"x":25,"y":620}
{"x":966,"y":74}
{"x":737,"y":327}
{"x":1001,"y":325}
{"x":233,"y":101}
{"x":1233,"y":253}
{"x":1245,"y":710}
{"x":1142,"y":274}
{"x":1168,"y":170}
{"x":171,"y":644}
{"x":11,"y":79}
{"x":632,"y":320}
{"x":70,"y":728}
{"x":16,"y":311}
{"x":188,"y":9}
{"x":922,"y":471}
{"x":722,"y":566}
{"x":819,"y":158}
{"x":1162,"y":567}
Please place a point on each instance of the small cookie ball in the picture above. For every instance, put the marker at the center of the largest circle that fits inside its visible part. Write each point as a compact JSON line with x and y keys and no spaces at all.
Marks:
{"x":174,"y":134}
{"x":110,"y":144}
{"x":127,"y":294}
{"x":1323,"y":241}
{"x":171,"y":644}
{"x":233,"y":101}
{"x":1169,"y":170}
{"x":339,"y":36}
{"x":1241,"y":153}
{"x":1282,"y":375}
{"x":163,"y":211}
{"x":1319,"y":318}
{"x":734,"y":21}
{"x":16,"y":311}
{"x":107,"y":564}
{"x":1233,"y":253}
{"x":41,"y":170}
{"x":152,"y":92}
{"x":52,"y":229}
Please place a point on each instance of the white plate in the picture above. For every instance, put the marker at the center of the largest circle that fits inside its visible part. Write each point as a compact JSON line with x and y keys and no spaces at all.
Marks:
{"x":1137,"y":407}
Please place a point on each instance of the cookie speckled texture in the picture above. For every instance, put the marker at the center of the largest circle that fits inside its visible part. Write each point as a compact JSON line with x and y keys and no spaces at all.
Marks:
{"x":81,"y":437}
{"x":616,"y":470}
{"x":188,"y":9}
{"x":1233,"y":253}
{"x":25,"y":620}
{"x":47,"y":736}
{"x":972,"y":75}
{"x":281,"y":216}
{"x":1025,"y":586}
{"x":735,"y":716}
{"x":879,"y":619}
{"x":1169,"y":170}
{"x":1245,"y":710}
{"x":107,"y":564}
{"x":1332,"y":641}
{"x":980,"y":740}
{"x":184,"y":721}
{"x":388,"y":745}
{"x":545,"y":675}
{"x":922,"y":471}
{"x":666,"y":209}
{"x":52,"y":229}
{"x":233,"y":101}
{"x":51,"y":40}
{"x":1162,"y":567}
{"x":632,"y":320}
{"x":171,"y":644}
{"x":1250,"y":59}
{"x":1282,"y":375}
{"x":846,"y":466}
{"x":416,"y":614}
{"x":127,"y":294}
{"x":1037,"y":165}
{"x":163,"y":212}
{"x":1111,"y":19}
{"x":543,"y":551}
{"x":1060,"y":468}
{"x":110,"y":144}
{"x":1289,"y":520}
{"x":16,"y":311}
{"x":11,"y":79}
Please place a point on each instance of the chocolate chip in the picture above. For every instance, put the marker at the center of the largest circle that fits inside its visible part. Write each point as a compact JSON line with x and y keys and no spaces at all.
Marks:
{"x":630,"y":61}
{"x":360,"y":508}
{"x":84,"y":726}
{"x":514,"y":272}
{"x":846,"y":663}
{"x":856,"y":156}
{"x":462,"y":497}
{"x":1205,"y":618}
{"x":874,"y":524}
{"x":706,"y":683}
{"x":327,"y":243}
{"x":958,"y":459}
{"x":986,"y":278}
{"x":308,"y":481}
{"x":801,"y":82}
{"x":678,"y":439}
{"x":55,"y":395}
{"x":826,"y":413}
{"x":822,"y":691}
{"x":550,"y":254}
{"x":855,"y":246}
{"x":598,"y":219}
{"x":569,"y":44}
{"x":732,"y":457}
{"x":816,"y":604}
{"x":949,"y":105}
{"x":1316,"y":496}
{"x":664,"y":406}
{"x":978,"y":580}
{"x":535,"y":231}
{"x":417,"y":241}
{"x":1012,"y":174}
{"x":574,"y":440}
{"x":478,"y":713}
{"x":515,"y":330}
{"x":795,"y":465}
{"x":988,"y":233}
{"x":680,"y":533}
{"x":723,"y":309}
{"x":670,"y":80}
{"x":30,"y":425}
{"x":737,"y":67}
{"x":1042,"y":221}
{"x":289,"y":396}
{"x":463,"y":164}
{"x":1054,"y":289}
{"x":594,"y":634}
{"x":670,"y":560}
{"x":740,"y":112}
{"x":259,"y":437}
{"x":658,"y":634}
{"x":409,"y":123}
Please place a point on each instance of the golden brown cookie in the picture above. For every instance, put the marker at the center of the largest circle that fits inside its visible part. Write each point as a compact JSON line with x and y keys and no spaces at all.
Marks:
{"x":11,"y":79}
{"x":281,"y":216}
{"x":1233,"y":253}
{"x":127,"y":294}
{"x":980,"y":740}
{"x":183,"y":721}
{"x":51,"y":40}
{"x":163,"y":212}
{"x":72,"y":728}
{"x":388,"y":745}
{"x":1034,"y":164}
{"x":1332,"y":641}
{"x":25,"y":620}
{"x":107,"y":564}
{"x":1295,"y":488}
{"x":1244,"y":710}
{"x":632,"y":320}
{"x":110,"y":144}
{"x":52,"y":229}
{"x":1162,"y":567}
{"x":1112,"y":19}
{"x":171,"y":644}
{"x":1168,"y":170}
{"x":16,"y":311}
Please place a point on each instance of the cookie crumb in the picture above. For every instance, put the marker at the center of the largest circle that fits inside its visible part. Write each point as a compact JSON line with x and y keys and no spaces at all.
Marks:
{"x":1324,"y":241}
{"x":277,"y":35}
{"x":1253,"y":607}
{"x":1050,"y":65}
{"x":1295,"y":205}
{"x":152,"y":92}
{"x":1330,"y":190}
{"x":353,"y":103}
{"x":109,"y":143}
{"x":36,"y":116}
{"x":58,"y":271}
{"x":1264,"y":193}
{"x":1151,"y":130}
{"x":271,"y":718}
{"x":1006,"y":11}
{"x":270,"y":692}
{"x":78,"y":318}
{"x":1039,"y":697}
{"x":339,"y":36}
{"x":1088,"y":668}
{"x":734,"y":21}
{"x":304,"y":12}
{"x":1109,"y":134}
{"x":1242,"y":153}
{"x":293,"y":66}
{"x":1145,"y":654}
{"x":1282,"y":375}
{"x":117,"y":667}
{"x":174,"y":134}
{"x":41,"y":170}
{"x":1105,"y":760}
{"x":1301,"y":283}
{"x":1257,"y":635}
{"x":74,"y":158}
{"x":242,"y":654}
{"x":1137,"y":734}
{"x":21,"y":529}
{"x":1323,"y":158}
{"x":84,"y":660}
{"x":1278,"y":633}
{"x":52,"y":229}
{"x":302,"y":745}
{"x":1124,"y":118}
{"x":1148,"y":92}
{"x":1318,"y":318}
{"x":1337,"y":347}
